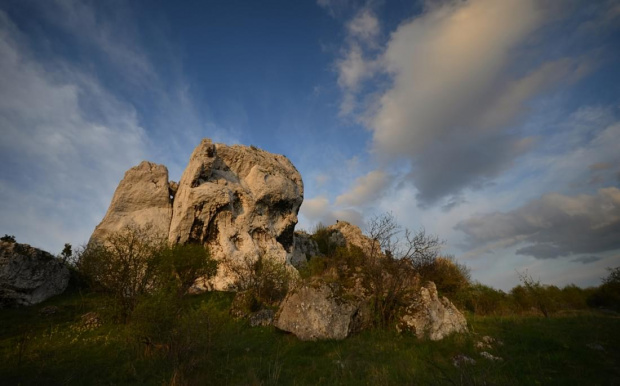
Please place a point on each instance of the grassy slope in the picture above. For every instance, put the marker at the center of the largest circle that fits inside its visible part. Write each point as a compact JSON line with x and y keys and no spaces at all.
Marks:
{"x":54,"y":349}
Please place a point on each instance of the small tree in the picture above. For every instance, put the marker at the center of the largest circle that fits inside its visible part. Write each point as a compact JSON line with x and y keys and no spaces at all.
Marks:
{"x":124,"y":266}
{"x":543,"y":297}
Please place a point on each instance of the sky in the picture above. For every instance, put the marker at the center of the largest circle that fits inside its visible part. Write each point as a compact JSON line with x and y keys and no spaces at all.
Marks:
{"x":494,"y":124}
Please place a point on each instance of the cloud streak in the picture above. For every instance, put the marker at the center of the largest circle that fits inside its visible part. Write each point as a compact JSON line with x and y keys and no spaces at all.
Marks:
{"x":552,"y":226}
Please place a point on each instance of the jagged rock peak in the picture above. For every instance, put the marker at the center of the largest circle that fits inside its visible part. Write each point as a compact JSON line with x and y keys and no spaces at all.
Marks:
{"x":142,"y":198}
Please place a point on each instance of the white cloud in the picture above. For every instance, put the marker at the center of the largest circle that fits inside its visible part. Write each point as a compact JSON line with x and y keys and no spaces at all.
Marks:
{"x":366,"y":189}
{"x":364,"y":27}
{"x":66,"y":143}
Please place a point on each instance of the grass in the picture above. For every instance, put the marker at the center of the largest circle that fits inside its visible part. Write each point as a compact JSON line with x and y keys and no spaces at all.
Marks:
{"x":571,"y":349}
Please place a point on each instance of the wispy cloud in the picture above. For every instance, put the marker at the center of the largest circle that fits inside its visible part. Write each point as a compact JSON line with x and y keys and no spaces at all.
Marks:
{"x":66,"y":143}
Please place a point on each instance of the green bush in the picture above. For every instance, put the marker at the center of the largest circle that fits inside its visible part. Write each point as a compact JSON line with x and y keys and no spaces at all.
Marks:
{"x":608,"y":293}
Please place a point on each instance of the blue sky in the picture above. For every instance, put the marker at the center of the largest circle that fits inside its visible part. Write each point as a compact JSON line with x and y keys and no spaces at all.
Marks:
{"x":493,"y":124}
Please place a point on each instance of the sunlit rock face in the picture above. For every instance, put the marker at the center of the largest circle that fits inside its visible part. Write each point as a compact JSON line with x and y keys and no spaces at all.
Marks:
{"x":240,"y":201}
{"x":143,"y":198}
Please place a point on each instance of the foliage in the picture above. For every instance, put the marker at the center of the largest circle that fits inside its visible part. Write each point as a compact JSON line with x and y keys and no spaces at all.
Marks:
{"x":8,"y":238}
{"x":206,"y":346}
{"x":67,"y":253}
{"x":321,"y":236}
{"x":265,"y":280}
{"x":608,"y":294}
{"x":543,"y":297}
{"x":134,"y":263}
{"x":450,"y":276}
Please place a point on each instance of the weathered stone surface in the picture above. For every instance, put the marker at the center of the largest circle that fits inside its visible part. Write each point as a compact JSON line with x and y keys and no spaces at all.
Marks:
{"x":432,"y":317}
{"x":345,"y":234}
{"x":261,"y":318}
{"x":29,"y":275}
{"x":242,"y":202}
{"x":316,"y":310}
{"x":141,"y":199}
{"x":304,"y":249}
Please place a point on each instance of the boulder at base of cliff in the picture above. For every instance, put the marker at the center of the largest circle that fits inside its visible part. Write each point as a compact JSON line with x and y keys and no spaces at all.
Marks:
{"x":432,"y":317}
{"x":316,"y":310}
{"x":29,"y":275}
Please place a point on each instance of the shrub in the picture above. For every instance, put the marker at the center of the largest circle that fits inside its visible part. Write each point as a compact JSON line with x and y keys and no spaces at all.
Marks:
{"x":449,"y":276}
{"x":8,"y":238}
{"x":134,"y":263}
{"x":608,"y":293}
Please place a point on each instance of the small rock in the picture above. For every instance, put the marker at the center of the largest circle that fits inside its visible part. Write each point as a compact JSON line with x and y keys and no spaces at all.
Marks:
{"x":48,"y":310}
{"x":262,"y":318}
{"x":490,"y":356}
{"x":90,"y":320}
{"x":462,"y":360}
{"x":596,"y":346}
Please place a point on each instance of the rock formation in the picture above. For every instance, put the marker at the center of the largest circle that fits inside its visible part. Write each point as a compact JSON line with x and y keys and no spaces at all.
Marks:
{"x":240,"y":201}
{"x":304,"y":249}
{"x":345,"y":234}
{"x":29,"y":275}
{"x":316,"y":310}
{"x":143,"y":198}
{"x":429,"y":316}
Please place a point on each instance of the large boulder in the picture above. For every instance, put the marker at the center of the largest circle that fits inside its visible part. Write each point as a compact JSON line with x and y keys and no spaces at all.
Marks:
{"x":317,"y":310}
{"x":143,"y":199}
{"x":429,"y":316}
{"x":29,"y":275}
{"x":240,"y":201}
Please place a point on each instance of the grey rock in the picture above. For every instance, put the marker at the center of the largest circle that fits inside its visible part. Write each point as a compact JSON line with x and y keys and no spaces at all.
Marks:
{"x":261,"y":318}
{"x":142,"y":199}
{"x":432,"y":317}
{"x":29,"y":275}
{"x":315,"y":311}
{"x":304,"y":249}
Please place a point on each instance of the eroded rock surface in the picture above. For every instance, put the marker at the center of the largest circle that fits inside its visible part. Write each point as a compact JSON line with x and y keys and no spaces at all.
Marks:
{"x":316,"y":310}
{"x":240,"y":201}
{"x":345,"y":234}
{"x":29,"y":275}
{"x":143,"y":198}
{"x":432,"y":317}
{"x":304,"y":249}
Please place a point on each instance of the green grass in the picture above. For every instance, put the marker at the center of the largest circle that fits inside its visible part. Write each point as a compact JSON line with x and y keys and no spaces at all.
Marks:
{"x":44,"y":350}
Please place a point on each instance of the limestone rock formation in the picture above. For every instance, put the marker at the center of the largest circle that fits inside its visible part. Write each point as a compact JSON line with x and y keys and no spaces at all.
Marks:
{"x":29,"y":275}
{"x":345,"y":234}
{"x":315,"y":310}
{"x":304,"y":249}
{"x":432,"y":317}
{"x":143,"y":198}
{"x":240,"y":201}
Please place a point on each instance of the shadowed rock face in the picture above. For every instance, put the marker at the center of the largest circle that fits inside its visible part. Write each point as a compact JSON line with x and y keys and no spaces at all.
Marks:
{"x":240,"y":201}
{"x":29,"y":275}
{"x":142,"y":198}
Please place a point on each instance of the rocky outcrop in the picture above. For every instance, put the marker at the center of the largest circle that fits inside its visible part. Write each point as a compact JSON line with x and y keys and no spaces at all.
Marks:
{"x":29,"y":275}
{"x":304,"y":249}
{"x":317,"y":310}
{"x":345,"y":234}
{"x":240,"y":201}
{"x":143,"y":198}
{"x":432,"y":317}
